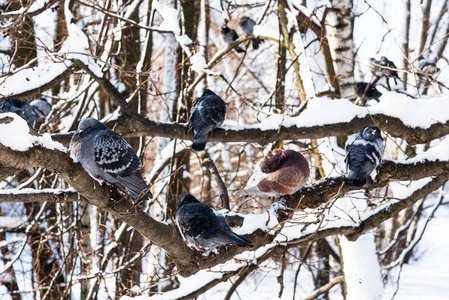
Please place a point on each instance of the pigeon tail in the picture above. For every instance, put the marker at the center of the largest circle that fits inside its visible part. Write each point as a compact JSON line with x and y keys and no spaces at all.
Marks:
{"x":239,"y":50}
{"x":136,"y":187}
{"x":241,"y":242}
{"x":256,"y":43}
{"x":199,"y":142}
{"x":355,"y":182}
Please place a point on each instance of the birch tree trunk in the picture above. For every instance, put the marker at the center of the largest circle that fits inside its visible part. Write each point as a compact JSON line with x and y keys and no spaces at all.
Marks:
{"x":339,"y":23}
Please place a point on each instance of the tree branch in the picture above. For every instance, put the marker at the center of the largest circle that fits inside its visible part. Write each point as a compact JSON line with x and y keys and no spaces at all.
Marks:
{"x":32,"y":195}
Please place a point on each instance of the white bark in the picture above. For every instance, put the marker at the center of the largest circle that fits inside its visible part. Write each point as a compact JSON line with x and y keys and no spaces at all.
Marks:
{"x":339,"y":28}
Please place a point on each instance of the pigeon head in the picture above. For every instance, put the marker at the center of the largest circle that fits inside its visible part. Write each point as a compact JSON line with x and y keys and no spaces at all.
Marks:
{"x":208,"y":92}
{"x":91,"y":123}
{"x":370,"y":133}
{"x":276,"y":161}
{"x":225,"y":29}
{"x":186,"y":199}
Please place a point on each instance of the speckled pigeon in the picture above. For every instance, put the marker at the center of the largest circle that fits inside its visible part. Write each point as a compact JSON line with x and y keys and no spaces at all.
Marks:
{"x":367,"y":91}
{"x":384,"y":67}
{"x":364,"y":152}
{"x":230,"y":37}
{"x":202,"y":227}
{"x":247,"y":25}
{"x":282,"y":174}
{"x":427,"y":68}
{"x":208,"y":112}
{"x":33,"y":112}
{"x":105,"y":155}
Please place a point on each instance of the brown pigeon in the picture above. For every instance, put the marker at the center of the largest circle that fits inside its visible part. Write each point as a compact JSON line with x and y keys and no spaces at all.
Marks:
{"x":282,"y":174}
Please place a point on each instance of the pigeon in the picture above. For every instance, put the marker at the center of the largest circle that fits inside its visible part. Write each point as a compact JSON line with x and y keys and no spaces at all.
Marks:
{"x":33,"y":112}
{"x":367,"y":91}
{"x":230,"y":37}
{"x":282,"y":174}
{"x":427,"y":68}
{"x":364,"y":151}
{"x":247,"y":25}
{"x":105,"y":155}
{"x":203,"y":227}
{"x":384,"y":67}
{"x":208,"y":112}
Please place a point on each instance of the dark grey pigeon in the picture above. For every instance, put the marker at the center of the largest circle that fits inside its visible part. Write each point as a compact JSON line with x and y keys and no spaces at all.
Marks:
{"x":384,"y":68}
{"x":427,"y":67}
{"x":33,"y":112}
{"x":364,"y":152}
{"x":230,"y":37}
{"x":208,"y":112}
{"x":247,"y":25}
{"x":367,"y":91}
{"x":105,"y":155}
{"x":202,"y":228}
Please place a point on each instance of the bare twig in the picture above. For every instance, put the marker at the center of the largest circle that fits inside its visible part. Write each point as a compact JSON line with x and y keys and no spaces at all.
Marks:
{"x":221,"y":185}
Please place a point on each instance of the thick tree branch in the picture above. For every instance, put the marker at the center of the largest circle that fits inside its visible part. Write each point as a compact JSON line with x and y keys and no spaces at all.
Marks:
{"x":32,"y":195}
{"x":392,"y":125}
{"x":166,"y":236}
{"x":325,"y":190}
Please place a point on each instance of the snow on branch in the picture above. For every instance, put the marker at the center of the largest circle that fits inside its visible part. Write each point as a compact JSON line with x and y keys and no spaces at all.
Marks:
{"x":45,"y":195}
{"x":416,"y":120}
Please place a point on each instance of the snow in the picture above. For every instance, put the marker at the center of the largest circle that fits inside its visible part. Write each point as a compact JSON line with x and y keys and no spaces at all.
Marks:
{"x":12,"y":222}
{"x":170,"y":16}
{"x":76,"y":46}
{"x":15,"y":135}
{"x":361,"y":268}
{"x":421,"y":113}
{"x":404,"y":189}
{"x":253,"y":222}
{"x":198,"y":62}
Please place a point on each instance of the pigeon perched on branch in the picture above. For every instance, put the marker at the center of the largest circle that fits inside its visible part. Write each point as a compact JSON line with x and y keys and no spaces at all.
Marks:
{"x":202,"y":228}
{"x":428,"y":68}
{"x":367,"y":91}
{"x":208,"y":112}
{"x":247,"y":25}
{"x":230,"y":37}
{"x":105,"y":155}
{"x":282,"y":174}
{"x":364,"y":152}
{"x":33,"y":112}
{"x":384,"y":68}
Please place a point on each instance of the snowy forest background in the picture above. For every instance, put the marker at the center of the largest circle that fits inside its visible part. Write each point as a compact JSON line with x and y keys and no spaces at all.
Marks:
{"x":138,"y":65}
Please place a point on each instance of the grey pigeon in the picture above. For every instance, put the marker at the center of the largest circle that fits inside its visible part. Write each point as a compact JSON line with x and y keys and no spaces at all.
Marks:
{"x":208,"y":112}
{"x":202,"y":227}
{"x":428,"y":68}
{"x":282,"y":174}
{"x":247,"y":25}
{"x":105,"y":155}
{"x":384,"y":68}
{"x":230,"y":37}
{"x":33,"y":112}
{"x":367,"y":91}
{"x":364,"y":152}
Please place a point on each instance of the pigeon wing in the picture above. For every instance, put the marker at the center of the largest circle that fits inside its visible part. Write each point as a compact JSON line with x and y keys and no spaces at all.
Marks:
{"x":284,"y":181}
{"x":114,"y":155}
{"x":194,"y":219}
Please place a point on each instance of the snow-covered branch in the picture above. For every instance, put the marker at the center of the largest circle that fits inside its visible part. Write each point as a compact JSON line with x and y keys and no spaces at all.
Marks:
{"x":32,"y":195}
{"x":322,"y":118}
